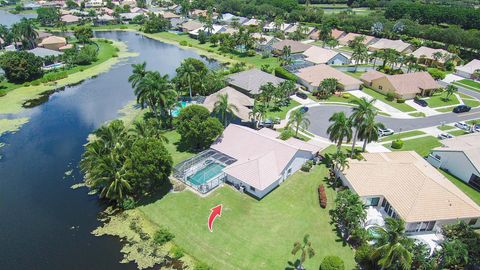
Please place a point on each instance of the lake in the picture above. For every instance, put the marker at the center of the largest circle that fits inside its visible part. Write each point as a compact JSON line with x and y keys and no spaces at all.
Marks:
{"x":45,"y":224}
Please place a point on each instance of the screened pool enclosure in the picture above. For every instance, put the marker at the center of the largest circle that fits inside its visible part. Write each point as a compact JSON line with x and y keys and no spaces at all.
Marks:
{"x":204,"y":171}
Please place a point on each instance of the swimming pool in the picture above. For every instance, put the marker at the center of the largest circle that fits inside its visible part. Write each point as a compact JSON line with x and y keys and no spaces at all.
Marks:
{"x":179,"y":107}
{"x":208,"y":172}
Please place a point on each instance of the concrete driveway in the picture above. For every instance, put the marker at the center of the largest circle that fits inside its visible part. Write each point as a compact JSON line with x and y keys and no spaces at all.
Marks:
{"x":319,"y":115}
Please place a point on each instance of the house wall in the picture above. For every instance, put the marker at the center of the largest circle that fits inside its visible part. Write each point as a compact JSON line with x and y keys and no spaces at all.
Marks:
{"x":55,"y":46}
{"x":454,"y":162}
{"x":339,"y":59}
{"x":384,"y":86}
{"x":463,"y":74}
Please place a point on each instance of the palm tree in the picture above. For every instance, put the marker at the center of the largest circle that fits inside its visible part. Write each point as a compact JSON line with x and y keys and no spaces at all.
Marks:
{"x":224,"y":109}
{"x":363,"y":108}
{"x":137,"y":74}
{"x":299,"y":120}
{"x":149,"y":128}
{"x":4,"y":32}
{"x":328,"y":86}
{"x":25,"y":32}
{"x":368,"y":130}
{"x":153,"y":91}
{"x":390,"y":250}
{"x":187,"y":72}
{"x":410,"y":61}
{"x":325,"y":33}
{"x":340,"y":129}
{"x":305,"y":249}
{"x":450,"y":90}
{"x":437,"y":56}
{"x":359,"y":54}
{"x":258,"y":112}
{"x":340,"y":162}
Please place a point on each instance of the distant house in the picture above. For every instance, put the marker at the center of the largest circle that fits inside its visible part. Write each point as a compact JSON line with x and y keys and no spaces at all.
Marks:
{"x":138,"y":10}
{"x":42,"y":35}
{"x":54,"y":43}
{"x":426,"y":55}
{"x":271,"y":27}
{"x":129,"y":16}
{"x":311,"y":77}
{"x":295,"y":46}
{"x":346,"y":39}
{"x":265,"y":40}
{"x":199,"y":13}
{"x":263,"y":162}
{"x":336,"y":34}
{"x":191,"y":26}
{"x":241,"y":101}
{"x":397,"y":45}
{"x":403,"y":185}
{"x":318,"y":55}
{"x":93,"y":3}
{"x":371,"y":75}
{"x":176,"y":23}
{"x":43,"y":52}
{"x":215,"y":30}
{"x":169,"y":15}
{"x":405,"y":86}
{"x":308,"y":29}
{"x":251,"y":22}
{"x":70,"y":19}
{"x":105,"y":18}
{"x":459,"y":156}
{"x":228,"y":18}
{"x":105,"y":10}
{"x":250,"y":81}
{"x":468,"y":70}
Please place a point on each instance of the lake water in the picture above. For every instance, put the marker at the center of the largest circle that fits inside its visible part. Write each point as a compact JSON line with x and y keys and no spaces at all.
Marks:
{"x":45,"y":224}
{"x":8,"y":18}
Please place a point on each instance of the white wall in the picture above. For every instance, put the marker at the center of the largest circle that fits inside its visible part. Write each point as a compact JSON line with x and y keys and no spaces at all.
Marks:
{"x":463,"y":74}
{"x":456,"y":163}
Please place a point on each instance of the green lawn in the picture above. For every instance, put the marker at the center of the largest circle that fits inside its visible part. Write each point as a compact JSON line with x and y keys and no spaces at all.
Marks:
{"x":477,"y":121}
{"x":438,"y":100}
{"x":402,"y":135}
{"x":471,"y":103}
{"x":417,"y":114}
{"x":172,"y":147}
{"x":458,"y":132}
{"x":472,"y":193}
{"x":282,"y":111}
{"x":471,"y":83}
{"x":253,"y":234}
{"x":422,"y":146}
{"x":466,"y":86}
{"x":445,"y":127}
{"x":345,"y":98}
{"x":400,"y":106}
{"x":444,"y":110}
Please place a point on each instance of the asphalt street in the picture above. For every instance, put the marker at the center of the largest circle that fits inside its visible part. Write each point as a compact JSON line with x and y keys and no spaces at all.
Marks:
{"x":319,"y":115}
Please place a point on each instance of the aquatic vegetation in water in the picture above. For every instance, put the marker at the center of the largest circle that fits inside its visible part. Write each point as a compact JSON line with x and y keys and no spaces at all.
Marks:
{"x":11,"y":125}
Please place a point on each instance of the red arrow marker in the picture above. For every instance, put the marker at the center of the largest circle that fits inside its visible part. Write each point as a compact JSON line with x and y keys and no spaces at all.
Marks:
{"x":216,"y":211}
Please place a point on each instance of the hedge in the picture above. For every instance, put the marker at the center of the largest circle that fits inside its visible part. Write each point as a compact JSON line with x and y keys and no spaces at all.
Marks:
{"x":397,"y":144}
{"x":332,"y":263}
{"x":283,"y":73}
{"x":322,"y":196}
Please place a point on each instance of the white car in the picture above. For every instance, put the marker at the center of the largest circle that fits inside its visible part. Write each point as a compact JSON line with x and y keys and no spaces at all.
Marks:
{"x":463,"y":125}
{"x":385,"y":132}
{"x":444,"y":136}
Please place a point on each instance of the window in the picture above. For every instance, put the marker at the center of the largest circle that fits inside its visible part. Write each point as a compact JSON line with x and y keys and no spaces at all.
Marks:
{"x":252,"y":188}
{"x":475,"y":182}
{"x":438,"y":157}
{"x":427,"y":226}
{"x":473,"y":221}
{"x":380,"y":87}
{"x":372,"y":201}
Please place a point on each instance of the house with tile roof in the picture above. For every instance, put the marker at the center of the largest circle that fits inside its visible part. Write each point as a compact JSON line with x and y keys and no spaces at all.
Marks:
{"x":250,"y":81}
{"x":459,"y":156}
{"x":263,"y":161}
{"x":405,"y":86}
{"x":241,"y":101}
{"x":427,"y":55}
{"x":191,"y":25}
{"x":469,"y":69}
{"x":70,"y":19}
{"x":311,"y":77}
{"x":295,"y":46}
{"x":404,"y":185}
{"x":346,"y":39}
{"x":319,"y":55}
{"x":54,"y":43}
{"x":397,"y":45}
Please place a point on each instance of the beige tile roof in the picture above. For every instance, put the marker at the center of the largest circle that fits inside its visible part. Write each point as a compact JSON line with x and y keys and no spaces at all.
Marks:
{"x":69,"y":18}
{"x":384,"y":43}
{"x":263,"y":39}
{"x":314,"y":75}
{"x":371,"y":75}
{"x":345,"y":40}
{"x":192,"y":25}
{"x":412,"y":82}
{"x":53,"y":40}
{"x":319,"y":55}
{"x":295,"y":46}
{"x":336,"y":34}
{"x":428,"y":53}
{"x":261,"y":159}
{"x":415,"y":189}
{"x":240,"y":100}
{"x":469,"y":144}
{"x":471,"y":67}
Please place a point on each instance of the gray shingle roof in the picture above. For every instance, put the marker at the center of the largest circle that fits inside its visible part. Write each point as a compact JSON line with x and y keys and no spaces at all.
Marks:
{"x":251,"y":80}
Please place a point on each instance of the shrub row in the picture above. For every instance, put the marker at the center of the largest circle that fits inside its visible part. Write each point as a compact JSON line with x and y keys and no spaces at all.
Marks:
{"x":54,"y":76}
{"x":283,"y":73}
{"x":307,"y":166}
{"x":322,"y":196}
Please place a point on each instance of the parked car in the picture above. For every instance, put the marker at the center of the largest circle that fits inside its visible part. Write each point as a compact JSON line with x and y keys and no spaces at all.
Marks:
{"x":301,"y":95}
{"x":462,"y":109}
{"x":304,"y":109}
{"x":462,"y":125}
{"x":385,"y":132}
{"x":420,"y":102}
{"x":444,"y":136}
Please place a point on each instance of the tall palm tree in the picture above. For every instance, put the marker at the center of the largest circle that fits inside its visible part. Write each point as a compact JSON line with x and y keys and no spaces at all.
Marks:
{"x":299,"y":120}
{"x":137,"y":74}
{"x":4,"y":32}
{"x":223,"y":109}
{"x":363,"y":108}
{"x":305,"y":249}
{"x":368,"y":130}
{"x":153,"y":91}
{"x":450,"y":90}
{"x":359,"y":54}
{"x":259,"y":111}
{"x":325,"y":33}
{"x":340,"y":162}
{"x":25,"y":33}
{"x":390,"y":250}
{"x":187,"y":72}
{"x":340,"y":129}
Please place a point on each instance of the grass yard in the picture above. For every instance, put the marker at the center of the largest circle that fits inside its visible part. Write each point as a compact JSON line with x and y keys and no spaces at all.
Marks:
{"x":458,"y":132}
{"x":357,"y":74}
{"x":282,"y":111}
{"x":422,"y":146}
{"x":438,"y":100}
{"x":402,"y":135}
{"x":447,"y":109}
{"x":472,"y":193}
{"x":472,"y":84}
{"x":253,"y":234}
{"x":172,"y":147}
{"x":472,"y":103}
{"x":344,"y":98}
{"x":476,"y":121}
{"x":445,"y":127}
{"x":400,"y":106}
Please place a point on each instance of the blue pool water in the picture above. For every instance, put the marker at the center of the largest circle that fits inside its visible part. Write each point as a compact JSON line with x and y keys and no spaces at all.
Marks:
{"x":179,"y":107}
{"x":205,"y":174}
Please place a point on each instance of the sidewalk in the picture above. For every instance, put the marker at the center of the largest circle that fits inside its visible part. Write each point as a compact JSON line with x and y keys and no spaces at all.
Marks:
{"x":382,"y":106}
{"x":426,"y":110}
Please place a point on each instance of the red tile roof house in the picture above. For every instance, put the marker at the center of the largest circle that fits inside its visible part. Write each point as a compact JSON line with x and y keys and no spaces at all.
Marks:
{"x":311,"y":77}
{"x":346,"y":39}
{"x":295,"y":46}
{"x":469,"y":69}
{"x":405,"y":86}
{"x":254,"y":161}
